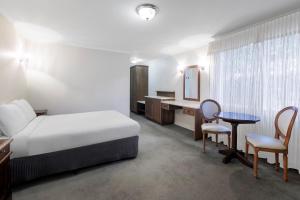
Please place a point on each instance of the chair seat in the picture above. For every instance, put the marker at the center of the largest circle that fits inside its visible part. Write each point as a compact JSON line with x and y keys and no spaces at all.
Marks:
{"x":211,"y":127}
{"x":263,"y":141}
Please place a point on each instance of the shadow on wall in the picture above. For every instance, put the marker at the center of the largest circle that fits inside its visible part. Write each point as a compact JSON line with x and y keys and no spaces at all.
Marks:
{"x":67,"y":79}
{"x":59,"y":93}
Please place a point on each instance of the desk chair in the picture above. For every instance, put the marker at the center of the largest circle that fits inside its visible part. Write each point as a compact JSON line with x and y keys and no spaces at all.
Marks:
{"x":208,"y":108}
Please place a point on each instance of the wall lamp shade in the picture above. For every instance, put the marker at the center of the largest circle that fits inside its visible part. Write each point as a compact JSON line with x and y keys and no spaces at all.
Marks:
{"x":147,"y":11}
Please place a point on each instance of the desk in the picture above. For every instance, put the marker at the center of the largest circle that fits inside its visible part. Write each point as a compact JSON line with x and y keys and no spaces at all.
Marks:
{"x":154,"y":112}
{"x":190,"y":108}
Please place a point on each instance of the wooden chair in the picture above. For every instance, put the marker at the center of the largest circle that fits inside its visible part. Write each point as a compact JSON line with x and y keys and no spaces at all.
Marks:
{"x":208,"y":108}
{"x":284,"y":123}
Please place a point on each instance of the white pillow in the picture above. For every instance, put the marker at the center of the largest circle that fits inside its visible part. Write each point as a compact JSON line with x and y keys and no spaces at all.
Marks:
{"x":26,"y":108}
{"x":12,"y":119}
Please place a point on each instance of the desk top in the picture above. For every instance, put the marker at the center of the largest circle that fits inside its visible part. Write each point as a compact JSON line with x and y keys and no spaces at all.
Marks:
{"x":186,"y":104}
{"x":161,"y":98}
{"x":241,"y":118}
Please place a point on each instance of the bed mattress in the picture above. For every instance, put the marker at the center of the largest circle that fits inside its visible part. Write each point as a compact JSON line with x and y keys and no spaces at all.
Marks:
{"x":47,"y":134}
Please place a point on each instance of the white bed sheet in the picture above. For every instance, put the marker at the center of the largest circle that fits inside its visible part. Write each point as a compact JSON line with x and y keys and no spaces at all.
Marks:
{"x":52,"y":133}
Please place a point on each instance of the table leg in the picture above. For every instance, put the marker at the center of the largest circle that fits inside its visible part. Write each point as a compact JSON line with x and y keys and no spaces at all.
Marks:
{"x":234,"y":135}
{"x":233,"y":152}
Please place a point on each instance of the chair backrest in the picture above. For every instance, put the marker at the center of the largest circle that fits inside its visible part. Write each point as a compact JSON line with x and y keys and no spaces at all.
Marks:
{"x":208,"y":108}
{"x":284,"y":123}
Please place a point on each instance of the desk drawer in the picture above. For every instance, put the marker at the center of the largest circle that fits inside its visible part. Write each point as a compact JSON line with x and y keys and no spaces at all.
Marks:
{"x":4,"y":151}
{"x":189,"y":111}
{"x":165,"y":106}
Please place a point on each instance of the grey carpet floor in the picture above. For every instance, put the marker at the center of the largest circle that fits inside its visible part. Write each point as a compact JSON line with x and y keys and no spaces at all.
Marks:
{"x":170,"y":165}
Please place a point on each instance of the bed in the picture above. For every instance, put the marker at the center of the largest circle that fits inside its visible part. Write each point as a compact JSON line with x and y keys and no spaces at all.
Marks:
{"x":59,"y":143}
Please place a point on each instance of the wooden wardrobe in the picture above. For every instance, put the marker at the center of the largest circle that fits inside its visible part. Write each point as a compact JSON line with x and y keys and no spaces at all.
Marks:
{"x":138,"y":85}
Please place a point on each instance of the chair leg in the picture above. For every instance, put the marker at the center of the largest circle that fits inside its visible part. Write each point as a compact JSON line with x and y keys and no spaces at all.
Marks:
{"x":204,"y":139}
{"x":277,"y":162}
{"x":247,"y":150}
{"x":229,"y":141}
{"x":255,"y":163}
{"x":217,"y":139}
{"x":285,"y":167}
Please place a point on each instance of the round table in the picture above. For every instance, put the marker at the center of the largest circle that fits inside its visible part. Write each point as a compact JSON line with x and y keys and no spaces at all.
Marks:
{"x":235,"y":119}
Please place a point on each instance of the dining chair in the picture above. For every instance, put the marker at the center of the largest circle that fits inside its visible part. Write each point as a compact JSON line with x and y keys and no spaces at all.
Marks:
{"x":284,"y":123}
{"x":208,"y":109}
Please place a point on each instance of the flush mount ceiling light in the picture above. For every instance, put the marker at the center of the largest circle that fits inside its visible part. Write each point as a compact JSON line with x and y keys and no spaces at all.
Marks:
{"x":147,"y":11}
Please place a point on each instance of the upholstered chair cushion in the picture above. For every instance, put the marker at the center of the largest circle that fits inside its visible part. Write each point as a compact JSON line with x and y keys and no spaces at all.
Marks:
{"x":284,"y":120}
{"x":263,"y":141}
{"x":209,"y":108}
{"x":212,"y":127}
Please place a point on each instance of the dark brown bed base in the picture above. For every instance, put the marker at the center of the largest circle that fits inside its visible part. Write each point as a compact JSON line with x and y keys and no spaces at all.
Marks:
{"x":32,"y":167}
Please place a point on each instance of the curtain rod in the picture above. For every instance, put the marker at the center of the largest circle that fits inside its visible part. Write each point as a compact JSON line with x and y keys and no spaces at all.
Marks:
{"x":243,"y":28}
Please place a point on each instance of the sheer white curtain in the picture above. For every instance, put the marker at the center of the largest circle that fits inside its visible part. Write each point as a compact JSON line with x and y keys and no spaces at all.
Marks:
{"x":257,"y":71}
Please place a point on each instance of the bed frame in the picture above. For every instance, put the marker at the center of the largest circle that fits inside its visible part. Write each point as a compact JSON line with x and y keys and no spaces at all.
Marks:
{"x":33,"y":167}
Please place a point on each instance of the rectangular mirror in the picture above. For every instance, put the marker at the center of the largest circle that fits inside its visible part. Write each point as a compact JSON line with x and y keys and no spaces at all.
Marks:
{"x":191,"y":83}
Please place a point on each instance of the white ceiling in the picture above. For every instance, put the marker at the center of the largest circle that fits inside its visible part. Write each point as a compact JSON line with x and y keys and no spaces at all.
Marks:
{"x":114,"y":25}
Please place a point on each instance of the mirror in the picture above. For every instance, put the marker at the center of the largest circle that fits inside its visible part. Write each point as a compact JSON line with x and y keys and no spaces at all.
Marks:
{"x":191,"y":82}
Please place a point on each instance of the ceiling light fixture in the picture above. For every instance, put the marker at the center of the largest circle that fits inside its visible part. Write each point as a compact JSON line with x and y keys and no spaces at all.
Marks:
{"x":147,"y":11}
{"x":135,"y":60}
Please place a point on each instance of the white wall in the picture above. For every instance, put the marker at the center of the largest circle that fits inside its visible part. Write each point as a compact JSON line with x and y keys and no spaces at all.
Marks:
{"x":12,"y":76}
{"x":164,"y":75}
{"x":66,"y":79}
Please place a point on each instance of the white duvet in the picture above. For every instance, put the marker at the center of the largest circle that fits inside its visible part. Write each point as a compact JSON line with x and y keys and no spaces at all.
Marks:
{"x":47,"y":134}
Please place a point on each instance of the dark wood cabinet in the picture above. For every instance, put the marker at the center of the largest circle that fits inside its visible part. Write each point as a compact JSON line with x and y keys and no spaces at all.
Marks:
{"x":152,"y":109}
{"x":138,"y":85}
{"x":5,"y":186}
{"x":156,"y":113}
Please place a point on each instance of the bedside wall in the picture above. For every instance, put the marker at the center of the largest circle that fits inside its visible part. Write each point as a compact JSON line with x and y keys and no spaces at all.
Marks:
{"x":12,"y":75}
{"x":67,"y":79}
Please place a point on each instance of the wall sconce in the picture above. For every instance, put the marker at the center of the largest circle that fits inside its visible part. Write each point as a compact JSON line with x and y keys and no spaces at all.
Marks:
{"x":202,"y":68}
{"x":180,"y":70}
{"x":21,"y":57}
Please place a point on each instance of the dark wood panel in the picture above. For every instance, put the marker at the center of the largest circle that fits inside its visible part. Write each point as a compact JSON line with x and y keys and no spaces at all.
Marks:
{"x":153,"y":109}
{"x":167,"y":117}
{"x":5,"y":186}
{"x":198,"y":122}
{"x":149,"y":108}
{"x":165,"y":93}
{"x":157,"y":110}
{"x":138,"y":85}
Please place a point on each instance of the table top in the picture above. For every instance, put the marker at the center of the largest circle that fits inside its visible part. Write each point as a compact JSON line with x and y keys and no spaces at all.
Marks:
{"x":241,"y":118}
